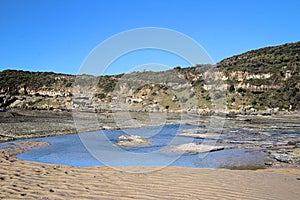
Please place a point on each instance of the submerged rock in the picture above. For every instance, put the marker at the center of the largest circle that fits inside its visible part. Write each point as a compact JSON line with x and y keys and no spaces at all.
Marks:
{"x":193,"y":148}
{"x":132,"y":141}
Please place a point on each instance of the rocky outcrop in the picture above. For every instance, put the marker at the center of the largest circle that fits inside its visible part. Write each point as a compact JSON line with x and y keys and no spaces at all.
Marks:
{"x":6,"y":101}
{"x":132,"y":141}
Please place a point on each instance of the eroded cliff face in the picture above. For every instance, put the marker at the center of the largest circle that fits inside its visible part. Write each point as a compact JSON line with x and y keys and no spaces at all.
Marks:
{"x":35,"y":90}
{"x":246,"y":90}
{"x":264,"y":78}
{"x":257,"y":80}
{"x":183,"y":92}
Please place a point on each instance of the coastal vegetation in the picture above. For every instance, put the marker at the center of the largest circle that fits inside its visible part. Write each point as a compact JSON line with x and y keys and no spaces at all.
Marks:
{"x":263,"y":79}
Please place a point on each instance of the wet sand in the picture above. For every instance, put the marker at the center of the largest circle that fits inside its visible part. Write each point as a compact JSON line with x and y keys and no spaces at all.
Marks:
{"x":30,"y":180}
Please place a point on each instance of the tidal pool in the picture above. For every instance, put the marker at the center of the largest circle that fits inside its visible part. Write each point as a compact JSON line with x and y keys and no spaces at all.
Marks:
{"x":98,"y":149}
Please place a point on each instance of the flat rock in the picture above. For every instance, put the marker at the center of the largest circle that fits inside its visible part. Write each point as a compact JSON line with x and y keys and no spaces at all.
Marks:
{"x":193,"y":148}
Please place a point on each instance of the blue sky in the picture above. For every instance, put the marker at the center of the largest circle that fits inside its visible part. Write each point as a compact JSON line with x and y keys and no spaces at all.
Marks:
{"x":57,"y":35}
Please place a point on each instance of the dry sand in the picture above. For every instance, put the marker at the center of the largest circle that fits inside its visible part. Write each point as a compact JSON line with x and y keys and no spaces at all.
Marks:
{"x":29,"y":180}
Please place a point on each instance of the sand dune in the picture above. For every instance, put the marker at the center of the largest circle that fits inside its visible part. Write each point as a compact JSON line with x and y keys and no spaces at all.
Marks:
{"x":29,"y":180}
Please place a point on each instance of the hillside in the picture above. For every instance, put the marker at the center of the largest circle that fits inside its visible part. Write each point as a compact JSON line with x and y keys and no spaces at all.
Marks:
{"x":263,"y":79}
{"x":267,"y":77}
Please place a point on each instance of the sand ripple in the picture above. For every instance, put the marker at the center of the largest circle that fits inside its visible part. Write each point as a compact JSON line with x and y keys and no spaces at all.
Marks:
{"x":29,"y":180}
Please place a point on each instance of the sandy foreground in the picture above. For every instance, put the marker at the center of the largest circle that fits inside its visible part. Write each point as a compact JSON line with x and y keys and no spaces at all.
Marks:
{"x":30,"y":180}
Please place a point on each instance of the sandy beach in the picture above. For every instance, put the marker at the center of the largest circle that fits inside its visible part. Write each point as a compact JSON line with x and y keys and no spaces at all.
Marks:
{"x":30,"y":180}
{"x":149,"y":100}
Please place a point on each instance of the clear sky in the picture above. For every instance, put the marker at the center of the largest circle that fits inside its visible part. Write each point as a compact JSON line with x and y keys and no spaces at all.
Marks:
{"x":57,"y":35}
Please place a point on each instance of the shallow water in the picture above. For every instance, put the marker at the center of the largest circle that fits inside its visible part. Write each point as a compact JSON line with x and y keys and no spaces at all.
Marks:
{"x":97,"y":149}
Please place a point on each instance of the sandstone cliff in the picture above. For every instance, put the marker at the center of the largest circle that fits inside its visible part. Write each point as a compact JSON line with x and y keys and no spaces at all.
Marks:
{"x":263,"y":79}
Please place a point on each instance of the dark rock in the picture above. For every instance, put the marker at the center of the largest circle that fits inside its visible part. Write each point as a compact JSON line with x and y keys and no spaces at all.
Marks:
{"x":291,"y":143}
{"x":282,"y":157}
{"x":231,"y":114}
{"x":269,"y":163}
